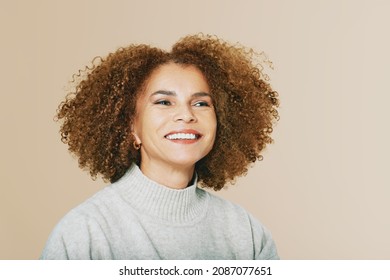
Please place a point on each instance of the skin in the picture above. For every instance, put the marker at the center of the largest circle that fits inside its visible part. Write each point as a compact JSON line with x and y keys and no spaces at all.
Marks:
{"x":176,"y":99}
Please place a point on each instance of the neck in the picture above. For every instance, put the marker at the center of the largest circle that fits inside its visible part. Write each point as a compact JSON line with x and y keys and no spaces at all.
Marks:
{"x":174,"y":177}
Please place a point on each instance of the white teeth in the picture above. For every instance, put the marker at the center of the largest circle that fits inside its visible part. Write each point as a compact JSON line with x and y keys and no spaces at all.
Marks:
{"x":181,"y":136}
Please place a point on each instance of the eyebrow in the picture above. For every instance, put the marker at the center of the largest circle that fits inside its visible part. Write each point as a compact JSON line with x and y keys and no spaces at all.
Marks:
{"x":172,"y":93}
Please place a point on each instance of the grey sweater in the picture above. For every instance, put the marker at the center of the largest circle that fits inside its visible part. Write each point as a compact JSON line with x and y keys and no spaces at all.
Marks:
{"x":136,"y":218}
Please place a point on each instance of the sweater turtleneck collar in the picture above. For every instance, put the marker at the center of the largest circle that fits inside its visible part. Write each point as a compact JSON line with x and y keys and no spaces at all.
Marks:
{"x":170,"y":205}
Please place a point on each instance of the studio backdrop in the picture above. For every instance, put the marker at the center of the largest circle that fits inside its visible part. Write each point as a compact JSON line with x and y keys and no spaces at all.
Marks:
{"x":323,"y":188}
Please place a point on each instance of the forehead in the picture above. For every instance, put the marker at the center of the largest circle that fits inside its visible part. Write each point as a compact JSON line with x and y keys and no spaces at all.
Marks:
{"x":173,"y":76}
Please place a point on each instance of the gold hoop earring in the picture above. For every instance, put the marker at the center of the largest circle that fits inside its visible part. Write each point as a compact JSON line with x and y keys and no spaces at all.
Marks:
{"x":136,"y":145}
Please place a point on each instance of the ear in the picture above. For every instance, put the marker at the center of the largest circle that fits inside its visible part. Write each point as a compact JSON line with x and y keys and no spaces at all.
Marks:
{"x":135,"y":134}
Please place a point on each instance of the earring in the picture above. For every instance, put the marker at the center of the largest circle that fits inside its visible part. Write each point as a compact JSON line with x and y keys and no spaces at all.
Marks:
{"x":136,"y":145}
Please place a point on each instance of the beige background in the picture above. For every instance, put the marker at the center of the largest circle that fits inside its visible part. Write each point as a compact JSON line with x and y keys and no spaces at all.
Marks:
{"x":323,"y":187}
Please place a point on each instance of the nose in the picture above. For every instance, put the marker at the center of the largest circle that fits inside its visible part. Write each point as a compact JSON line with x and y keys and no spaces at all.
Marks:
{"x":185,"y":114}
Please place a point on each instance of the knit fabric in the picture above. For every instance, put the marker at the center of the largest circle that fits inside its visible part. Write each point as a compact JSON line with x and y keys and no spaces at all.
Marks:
{"x":136,"y":218}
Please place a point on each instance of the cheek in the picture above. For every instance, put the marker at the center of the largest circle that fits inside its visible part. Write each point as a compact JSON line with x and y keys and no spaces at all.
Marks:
{"x":213,"y":122}
{"x":151,"y":124}
{"x":155,"y":121}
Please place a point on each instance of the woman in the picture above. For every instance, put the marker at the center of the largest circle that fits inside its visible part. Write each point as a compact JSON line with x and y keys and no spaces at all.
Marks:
{"x":157,"y":124}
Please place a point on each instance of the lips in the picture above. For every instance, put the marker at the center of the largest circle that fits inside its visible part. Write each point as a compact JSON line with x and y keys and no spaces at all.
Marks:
{"x":186,"y":135}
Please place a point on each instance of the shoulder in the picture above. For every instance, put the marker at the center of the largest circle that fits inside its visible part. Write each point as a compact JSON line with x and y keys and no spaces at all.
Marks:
{"x":227,"y":208}
{"x":234,"y":216}
{"x":95,"y":208}
{"x":73,"y":234}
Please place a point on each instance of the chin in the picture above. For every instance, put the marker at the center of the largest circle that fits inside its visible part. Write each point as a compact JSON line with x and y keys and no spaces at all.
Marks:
{"x":184,"y":161}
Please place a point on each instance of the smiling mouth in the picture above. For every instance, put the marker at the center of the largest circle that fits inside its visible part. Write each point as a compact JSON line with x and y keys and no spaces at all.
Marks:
{"x":183,"y":136}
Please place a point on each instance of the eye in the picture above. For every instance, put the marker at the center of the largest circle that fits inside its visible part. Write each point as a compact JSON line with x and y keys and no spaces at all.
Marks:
{"x":202,"y":104}
{"x":163,"y":102}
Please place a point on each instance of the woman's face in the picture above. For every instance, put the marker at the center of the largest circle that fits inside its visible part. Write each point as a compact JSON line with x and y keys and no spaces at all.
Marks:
{"x":175,"y":120}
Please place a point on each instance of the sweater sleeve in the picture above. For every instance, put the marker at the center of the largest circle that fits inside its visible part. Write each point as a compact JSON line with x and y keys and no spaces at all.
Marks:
{"x":73,"y":239}
{"x":265,"y":248}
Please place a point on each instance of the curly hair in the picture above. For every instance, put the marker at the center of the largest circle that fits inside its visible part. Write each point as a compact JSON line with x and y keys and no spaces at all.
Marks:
{"x":97,"y":115}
